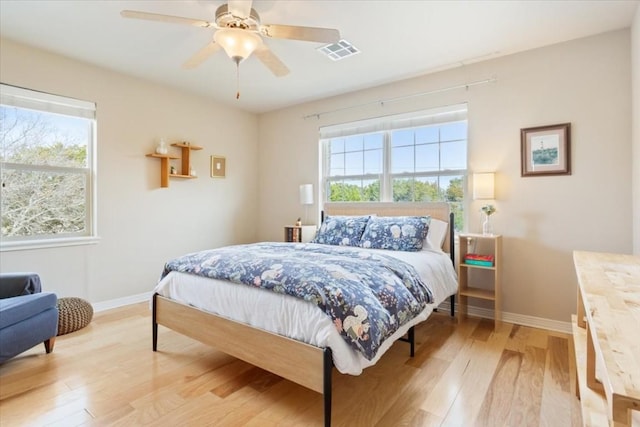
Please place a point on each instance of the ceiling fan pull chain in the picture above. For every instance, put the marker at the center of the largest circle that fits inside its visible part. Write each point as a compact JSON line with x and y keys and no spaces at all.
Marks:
{"x":238,"y":80}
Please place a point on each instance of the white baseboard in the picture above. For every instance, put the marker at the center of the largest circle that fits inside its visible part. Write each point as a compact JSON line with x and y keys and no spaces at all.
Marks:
{"x":518,"y":319}
{"x":121,"y":302}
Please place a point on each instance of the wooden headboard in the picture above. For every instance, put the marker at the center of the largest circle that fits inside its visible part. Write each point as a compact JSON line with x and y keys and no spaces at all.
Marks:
{"x":438,"y":210}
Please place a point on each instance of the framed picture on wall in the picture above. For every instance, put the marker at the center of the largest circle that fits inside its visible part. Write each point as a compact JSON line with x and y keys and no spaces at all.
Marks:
{"x":546,"y":150}
{"x":218,"y":167}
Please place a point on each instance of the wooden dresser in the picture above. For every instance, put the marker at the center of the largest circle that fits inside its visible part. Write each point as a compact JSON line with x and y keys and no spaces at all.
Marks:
{"x":606,"y":333}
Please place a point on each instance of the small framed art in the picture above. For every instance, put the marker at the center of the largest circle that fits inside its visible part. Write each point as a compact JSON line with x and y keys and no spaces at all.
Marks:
{"x":546,"y":150}
{"x":218,"y":167}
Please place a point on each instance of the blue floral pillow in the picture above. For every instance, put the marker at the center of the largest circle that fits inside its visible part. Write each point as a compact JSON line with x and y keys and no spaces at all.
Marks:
{"x":398,"y":233}
{"x":341,"y":230}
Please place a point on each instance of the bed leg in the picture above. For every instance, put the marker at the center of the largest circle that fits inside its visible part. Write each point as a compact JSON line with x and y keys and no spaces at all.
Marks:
{"x":452,"y":253}
{"x":452,"y":300}
{"x":412,"y":340}
{"x":327,"y":372}
{"x":154,"y":325}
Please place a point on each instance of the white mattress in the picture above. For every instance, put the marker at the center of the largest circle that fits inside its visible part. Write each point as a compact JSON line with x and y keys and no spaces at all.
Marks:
{"x":301,"y":320}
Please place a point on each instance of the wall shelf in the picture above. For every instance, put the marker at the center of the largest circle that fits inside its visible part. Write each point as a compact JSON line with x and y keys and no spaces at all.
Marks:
{"x":164,"y":167}
{"x":185,"y":171}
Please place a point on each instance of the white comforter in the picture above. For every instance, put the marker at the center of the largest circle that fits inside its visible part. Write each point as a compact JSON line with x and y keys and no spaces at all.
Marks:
{"x":301,"y":320}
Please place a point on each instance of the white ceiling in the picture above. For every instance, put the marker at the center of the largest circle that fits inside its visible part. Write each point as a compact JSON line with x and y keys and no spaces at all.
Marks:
{"x":397,"y":40}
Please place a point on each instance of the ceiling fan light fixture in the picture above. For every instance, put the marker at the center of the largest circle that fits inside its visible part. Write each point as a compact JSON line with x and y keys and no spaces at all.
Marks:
{"x":237,"y":43}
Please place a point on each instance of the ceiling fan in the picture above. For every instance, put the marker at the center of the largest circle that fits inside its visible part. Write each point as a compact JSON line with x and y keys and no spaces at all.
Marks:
{"x":239,"y":32}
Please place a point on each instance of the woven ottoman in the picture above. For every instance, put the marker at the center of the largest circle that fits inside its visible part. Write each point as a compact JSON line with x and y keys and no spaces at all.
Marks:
{"x":73,"y":314}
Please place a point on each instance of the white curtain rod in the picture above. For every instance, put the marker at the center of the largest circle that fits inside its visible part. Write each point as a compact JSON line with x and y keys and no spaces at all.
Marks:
{"x":402,"y":98}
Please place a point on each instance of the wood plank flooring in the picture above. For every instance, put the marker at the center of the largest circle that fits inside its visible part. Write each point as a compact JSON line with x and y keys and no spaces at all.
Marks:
{"x":462,"y":375}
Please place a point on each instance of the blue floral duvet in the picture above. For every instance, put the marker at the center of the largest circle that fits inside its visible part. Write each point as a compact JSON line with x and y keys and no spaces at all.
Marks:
{"x":367,"y":295}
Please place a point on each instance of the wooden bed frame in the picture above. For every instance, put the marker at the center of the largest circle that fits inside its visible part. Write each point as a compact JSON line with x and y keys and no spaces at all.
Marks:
{"x":304,"y":364}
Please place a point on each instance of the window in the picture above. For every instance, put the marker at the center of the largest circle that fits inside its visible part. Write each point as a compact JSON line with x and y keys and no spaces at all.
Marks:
{"x":415,"y":157}
{"x":47,"y":169}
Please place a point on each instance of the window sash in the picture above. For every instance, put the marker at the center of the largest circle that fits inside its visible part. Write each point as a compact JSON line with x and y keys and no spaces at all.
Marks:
{"x":44,"y":168}
{"x":58,"y":170}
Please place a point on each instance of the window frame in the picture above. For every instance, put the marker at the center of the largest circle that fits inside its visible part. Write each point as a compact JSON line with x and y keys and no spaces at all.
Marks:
{"x":27,"y":99}
{"x":386,"y":126}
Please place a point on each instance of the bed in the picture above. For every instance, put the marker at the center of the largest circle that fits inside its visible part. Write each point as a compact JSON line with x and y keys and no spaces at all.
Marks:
{"x":246,"y":323}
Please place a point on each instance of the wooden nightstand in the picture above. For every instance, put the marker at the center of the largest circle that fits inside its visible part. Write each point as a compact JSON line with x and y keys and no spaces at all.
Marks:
{"x":299,"y":233}
{"x":469,"y":274}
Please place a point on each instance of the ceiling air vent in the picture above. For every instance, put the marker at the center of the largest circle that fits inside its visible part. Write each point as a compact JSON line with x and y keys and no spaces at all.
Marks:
{"x":340,"y":50}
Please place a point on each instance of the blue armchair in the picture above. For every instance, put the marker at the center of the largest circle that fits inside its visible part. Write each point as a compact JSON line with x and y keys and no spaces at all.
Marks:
{"x":28,"y":316}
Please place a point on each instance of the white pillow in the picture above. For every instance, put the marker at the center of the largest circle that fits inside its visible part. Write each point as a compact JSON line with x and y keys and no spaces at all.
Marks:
{"x":436,"y":235}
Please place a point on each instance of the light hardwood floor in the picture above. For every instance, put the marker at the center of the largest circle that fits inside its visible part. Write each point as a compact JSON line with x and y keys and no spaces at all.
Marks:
{"x":462,"y":375}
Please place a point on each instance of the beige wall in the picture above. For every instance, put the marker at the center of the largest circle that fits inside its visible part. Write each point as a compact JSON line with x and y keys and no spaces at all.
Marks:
{"x":543,"y":219}
{"x":635,"y":83}
{"x":140,"y":224}
{"x":586,"y":82}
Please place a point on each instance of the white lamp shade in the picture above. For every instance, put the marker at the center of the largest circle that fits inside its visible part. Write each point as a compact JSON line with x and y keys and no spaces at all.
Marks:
{"x":483,"y":186}
{"x":239,"y":44}
{"x":306,"y":194}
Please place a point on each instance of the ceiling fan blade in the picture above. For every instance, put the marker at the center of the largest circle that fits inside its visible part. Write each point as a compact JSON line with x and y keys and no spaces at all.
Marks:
{"x":201,"y":55}
{"x":309,"y":34}
{"x":240,"y":8}
{"x":166,"y":18}
{"x":271,"y":61}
